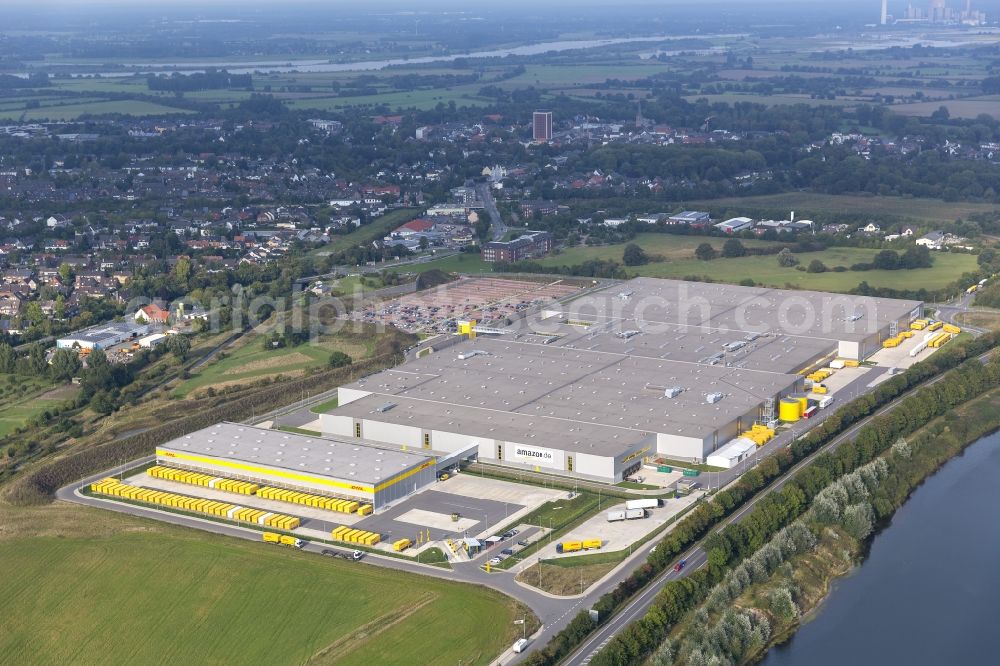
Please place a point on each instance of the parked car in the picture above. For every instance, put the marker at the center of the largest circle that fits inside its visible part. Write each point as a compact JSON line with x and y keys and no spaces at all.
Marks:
{"x":522,"y":544}
{"x":507,"y":551}
{"x":495,"y":561}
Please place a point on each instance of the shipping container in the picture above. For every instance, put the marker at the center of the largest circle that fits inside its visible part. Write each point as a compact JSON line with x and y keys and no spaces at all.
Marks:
{"x":590,"y":544}
{"x":634,"y":514}
{"x":271,"y":537}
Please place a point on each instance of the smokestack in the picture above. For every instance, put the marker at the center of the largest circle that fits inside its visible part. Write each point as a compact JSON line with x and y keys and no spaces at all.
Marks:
{"x":885,"y":12}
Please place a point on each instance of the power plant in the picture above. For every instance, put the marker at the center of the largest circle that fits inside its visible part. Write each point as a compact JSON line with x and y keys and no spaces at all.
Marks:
{"x":937,"y":11}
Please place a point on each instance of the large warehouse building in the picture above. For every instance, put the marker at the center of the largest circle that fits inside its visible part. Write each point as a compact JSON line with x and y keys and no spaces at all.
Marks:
{"x":592,"y":387}
{"x":349,"y":470}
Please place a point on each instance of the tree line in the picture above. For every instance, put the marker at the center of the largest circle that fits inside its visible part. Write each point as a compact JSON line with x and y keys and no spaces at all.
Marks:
{"x":211,"y":79}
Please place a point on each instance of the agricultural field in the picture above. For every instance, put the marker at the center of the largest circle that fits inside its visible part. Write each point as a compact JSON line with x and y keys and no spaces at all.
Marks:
{"x":250,"y":362}
{"x":68,"y":111}
{"x":970,"y":107}
{"x":98,"y":588}
{"x":807,"y":204}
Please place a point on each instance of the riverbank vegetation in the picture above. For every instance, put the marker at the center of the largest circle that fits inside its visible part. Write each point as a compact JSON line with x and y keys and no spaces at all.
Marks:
{"x":762,"y":601}
{"x":837,"y":490}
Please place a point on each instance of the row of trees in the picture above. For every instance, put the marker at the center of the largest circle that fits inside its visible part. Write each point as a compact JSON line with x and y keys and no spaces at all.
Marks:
{"x":210,"y":79}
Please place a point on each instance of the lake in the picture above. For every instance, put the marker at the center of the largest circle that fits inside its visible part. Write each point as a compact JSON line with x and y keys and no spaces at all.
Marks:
{"x":927,"y":593}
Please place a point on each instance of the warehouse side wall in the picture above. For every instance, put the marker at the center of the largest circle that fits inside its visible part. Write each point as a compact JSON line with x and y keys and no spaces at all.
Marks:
{"x":683,"y":448}
{"x":260,"y":474}
{"x":335,"y":424}
{"x":391,"y":433}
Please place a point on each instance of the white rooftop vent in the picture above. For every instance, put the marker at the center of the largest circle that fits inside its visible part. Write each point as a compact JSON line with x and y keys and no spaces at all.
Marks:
{"x":713,"y":398}
{"x":672,"y":391}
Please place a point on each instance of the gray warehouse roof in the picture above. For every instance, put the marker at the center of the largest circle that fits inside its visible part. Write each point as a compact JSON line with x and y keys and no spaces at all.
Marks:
{"x":319,"y":456}
{"x":707,"y":306}
{"x":592,"y":374}
{"x":592,"y":401}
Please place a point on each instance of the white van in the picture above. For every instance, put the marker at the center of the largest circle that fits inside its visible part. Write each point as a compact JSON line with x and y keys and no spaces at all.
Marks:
{"x":520,"y":645}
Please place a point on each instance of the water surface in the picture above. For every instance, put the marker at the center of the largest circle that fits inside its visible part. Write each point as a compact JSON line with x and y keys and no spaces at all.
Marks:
{"x":929,"y":592}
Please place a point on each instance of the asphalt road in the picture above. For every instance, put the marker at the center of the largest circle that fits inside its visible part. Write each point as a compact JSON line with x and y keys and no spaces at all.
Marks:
{"x":498,"y":229}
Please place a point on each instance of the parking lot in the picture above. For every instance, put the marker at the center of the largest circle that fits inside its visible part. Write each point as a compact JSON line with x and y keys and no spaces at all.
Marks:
{"x":484,"y":299}
{"x":431,"y":510}
{"x":621,"y":534}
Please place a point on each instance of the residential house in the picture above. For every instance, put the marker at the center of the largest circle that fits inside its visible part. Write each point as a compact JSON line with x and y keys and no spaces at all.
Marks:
{"x":152,"y":314}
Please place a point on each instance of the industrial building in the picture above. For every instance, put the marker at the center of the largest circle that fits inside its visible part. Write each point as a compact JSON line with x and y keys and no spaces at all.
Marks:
{"x":592,"y":388}
{"x":103,"y":336}
{"x":329,"y":467}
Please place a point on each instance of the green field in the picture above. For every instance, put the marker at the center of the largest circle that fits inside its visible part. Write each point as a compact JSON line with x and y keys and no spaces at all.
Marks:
{"x":765,"y":270}
{"x":172,"y":597}
{"x":72,"y":111}
{"x":251,"y":361}
{"x":26,"y":399}
{"x":807,"y":204}
{"x":957,"y":108}
{"x":680,"y":263}
{"x":374,"y":230}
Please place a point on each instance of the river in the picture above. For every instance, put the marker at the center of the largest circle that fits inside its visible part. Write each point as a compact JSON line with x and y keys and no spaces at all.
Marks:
{"x":927,"y":593}
{"x":269,"y":66}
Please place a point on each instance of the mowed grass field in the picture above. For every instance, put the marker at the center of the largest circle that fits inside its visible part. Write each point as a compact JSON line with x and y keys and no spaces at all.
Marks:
{"x":681,"y":263}
{"x":807,"y":204}
{"x":765,"y":270}
{"x":164,"y":595}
